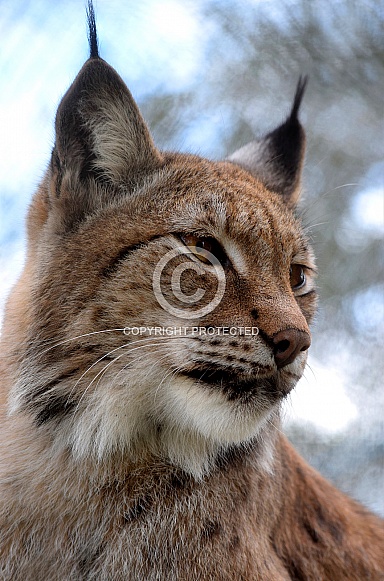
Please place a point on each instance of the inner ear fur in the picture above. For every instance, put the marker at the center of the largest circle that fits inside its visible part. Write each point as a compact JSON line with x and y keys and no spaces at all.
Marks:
{"x":99,"y":128}
{"x":277,"y":159}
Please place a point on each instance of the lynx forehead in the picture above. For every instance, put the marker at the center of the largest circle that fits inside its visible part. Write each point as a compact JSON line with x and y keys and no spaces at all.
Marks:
{"x":159,"y":455}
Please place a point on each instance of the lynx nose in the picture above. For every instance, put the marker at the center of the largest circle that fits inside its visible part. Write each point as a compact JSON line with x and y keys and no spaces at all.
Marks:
{"x":288,"y":344}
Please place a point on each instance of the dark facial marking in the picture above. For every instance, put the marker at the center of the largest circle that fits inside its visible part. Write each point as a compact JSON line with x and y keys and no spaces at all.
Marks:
{"x":211,"y":529}
{"x":57,"y":406}
{"x":114,"y":264}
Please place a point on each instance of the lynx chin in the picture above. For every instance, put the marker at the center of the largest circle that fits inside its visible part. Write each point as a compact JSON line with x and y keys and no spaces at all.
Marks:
{"x":160,"y":456}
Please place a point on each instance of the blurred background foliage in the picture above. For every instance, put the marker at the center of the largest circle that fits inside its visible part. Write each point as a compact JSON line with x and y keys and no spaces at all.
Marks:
{"x":209,"y":76}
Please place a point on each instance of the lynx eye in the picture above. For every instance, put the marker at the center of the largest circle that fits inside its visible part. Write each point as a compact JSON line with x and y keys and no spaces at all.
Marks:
{"x":203,"y":247}
{"x":297,"y":276}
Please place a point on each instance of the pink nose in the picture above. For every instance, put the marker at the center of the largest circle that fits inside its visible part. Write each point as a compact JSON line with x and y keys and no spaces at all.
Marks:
{"x":288,"y":344}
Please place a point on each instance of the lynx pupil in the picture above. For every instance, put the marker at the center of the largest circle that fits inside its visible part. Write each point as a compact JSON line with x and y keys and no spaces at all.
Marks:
{"x":203,"y":247}
{"x":297,"y":276}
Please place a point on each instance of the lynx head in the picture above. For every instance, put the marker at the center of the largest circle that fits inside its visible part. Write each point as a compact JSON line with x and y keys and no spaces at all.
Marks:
{"x":164,"y":306}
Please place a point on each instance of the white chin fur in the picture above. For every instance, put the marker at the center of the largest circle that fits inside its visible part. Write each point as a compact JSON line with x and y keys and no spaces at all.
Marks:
{"x":176,"y":420}
{"x":204,"y":410}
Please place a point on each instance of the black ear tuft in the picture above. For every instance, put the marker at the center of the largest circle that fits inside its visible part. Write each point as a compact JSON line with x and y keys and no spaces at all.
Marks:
{"x":92,"y":32}
{"x":277,"y":159}
{"x":300,"y":90}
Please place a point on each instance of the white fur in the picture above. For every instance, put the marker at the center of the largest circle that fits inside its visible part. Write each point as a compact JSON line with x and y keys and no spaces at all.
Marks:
{"x":235,"y":254}
{"x":196,"y":423}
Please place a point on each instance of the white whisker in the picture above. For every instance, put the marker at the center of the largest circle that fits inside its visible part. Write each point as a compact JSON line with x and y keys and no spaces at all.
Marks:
{"x":170,"y":373}
{"x":105,"y":368}
{"x":130,"y":343}
{"x":79,"y":337}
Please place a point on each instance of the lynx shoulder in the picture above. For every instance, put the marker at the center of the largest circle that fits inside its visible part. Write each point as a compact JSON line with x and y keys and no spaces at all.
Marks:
{"x":161,"y":318}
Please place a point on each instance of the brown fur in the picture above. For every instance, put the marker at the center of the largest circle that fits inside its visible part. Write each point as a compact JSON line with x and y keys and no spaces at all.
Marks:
{"x":115,"y":462}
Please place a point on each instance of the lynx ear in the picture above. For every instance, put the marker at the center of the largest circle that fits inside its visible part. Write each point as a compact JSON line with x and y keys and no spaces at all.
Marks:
{"x":99,"y":128}
{"x":101,"y":139}
{"x":277,"y":159}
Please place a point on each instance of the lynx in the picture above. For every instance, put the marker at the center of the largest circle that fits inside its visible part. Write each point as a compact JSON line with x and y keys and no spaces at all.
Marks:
{"x":160,"y":321}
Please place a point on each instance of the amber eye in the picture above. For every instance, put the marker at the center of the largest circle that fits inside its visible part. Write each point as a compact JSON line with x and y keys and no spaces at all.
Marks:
{"x":204,"y":247}
{"x":297,"y":276}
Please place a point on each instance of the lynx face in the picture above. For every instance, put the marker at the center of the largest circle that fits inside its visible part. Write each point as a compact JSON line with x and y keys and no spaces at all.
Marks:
{"x":110,"y":210}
